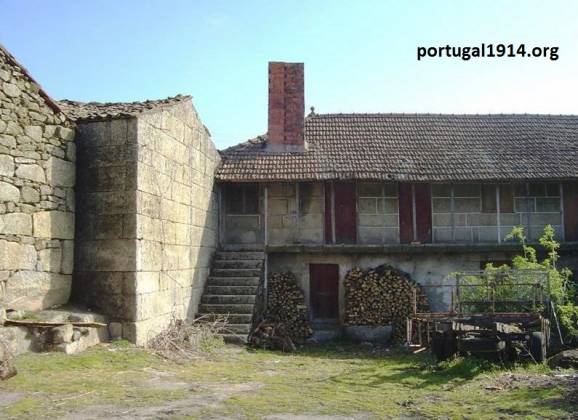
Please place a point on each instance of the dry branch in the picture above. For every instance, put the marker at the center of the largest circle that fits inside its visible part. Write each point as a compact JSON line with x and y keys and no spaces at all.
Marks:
{"x":182,"y":340}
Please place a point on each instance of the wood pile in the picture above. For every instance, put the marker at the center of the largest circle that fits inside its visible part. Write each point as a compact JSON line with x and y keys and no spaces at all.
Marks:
{"x":267,"y":335}
{"x":381,"y":296}
{"x":286,"y":319}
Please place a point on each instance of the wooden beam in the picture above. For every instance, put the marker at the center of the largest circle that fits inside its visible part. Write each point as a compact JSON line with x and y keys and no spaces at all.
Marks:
{"x":50,"y":324}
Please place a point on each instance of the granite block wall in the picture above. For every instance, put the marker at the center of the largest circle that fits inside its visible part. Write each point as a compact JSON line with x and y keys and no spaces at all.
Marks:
{"x":106,"y":224}
{"x":295,"y":213}
{"x":148,"y":222}
{"x":176,"y":218}
{"x":37,"y":178}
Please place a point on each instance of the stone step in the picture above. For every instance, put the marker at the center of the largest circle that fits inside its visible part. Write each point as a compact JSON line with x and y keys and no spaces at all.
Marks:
{"x":243,"y":248}
{"x":231,"y":290}
{"x":243,"y":264}
{"x":232,"y":281}
{"x":236,"y":272}
{"x":227,"y":299}
{"x":235,"y":338}
{"x":231,"y":318}
{"x":238,"y":328}
{"x":239,"y":308}
{"x":237,"y":255}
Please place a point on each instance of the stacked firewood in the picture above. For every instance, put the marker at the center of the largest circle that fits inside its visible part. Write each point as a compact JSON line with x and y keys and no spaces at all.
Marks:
{"x":380,"y":296}
{"x":267,"y":336}
{"x":286,"y":319}
{"x":286,"y":305}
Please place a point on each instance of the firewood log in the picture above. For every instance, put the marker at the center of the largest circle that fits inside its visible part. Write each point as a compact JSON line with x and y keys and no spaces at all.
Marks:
{"x":379,"y":296}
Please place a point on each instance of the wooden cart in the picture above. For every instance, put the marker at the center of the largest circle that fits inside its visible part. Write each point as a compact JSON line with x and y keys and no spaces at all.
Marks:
{"x":481,"y":320}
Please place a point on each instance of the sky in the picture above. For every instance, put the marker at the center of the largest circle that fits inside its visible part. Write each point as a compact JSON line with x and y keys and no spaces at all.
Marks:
{"x":360,"y":56}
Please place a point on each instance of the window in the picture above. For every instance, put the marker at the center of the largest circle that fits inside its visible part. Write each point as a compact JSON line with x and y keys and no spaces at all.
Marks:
{"x":489,"y":202}
{"x":242,"y":198}
{"x":506,"y":198}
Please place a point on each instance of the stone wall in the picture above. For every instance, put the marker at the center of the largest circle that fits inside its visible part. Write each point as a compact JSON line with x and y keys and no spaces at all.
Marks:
{"x":295,"y":213}
{"x":147,"y":225}
{"x":106,"y":219}
{"x":37,"y":178}
{"x":426,"y":269}
{"x":177,"y":217}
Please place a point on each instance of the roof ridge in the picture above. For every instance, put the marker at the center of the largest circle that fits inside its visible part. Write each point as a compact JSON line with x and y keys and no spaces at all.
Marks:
{"x":176,"y":98}
{"x":432,"y":114}
{"x":99,"y":111}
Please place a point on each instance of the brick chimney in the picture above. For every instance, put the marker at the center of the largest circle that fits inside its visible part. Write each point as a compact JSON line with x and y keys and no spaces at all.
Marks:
{"x":286,"y":107}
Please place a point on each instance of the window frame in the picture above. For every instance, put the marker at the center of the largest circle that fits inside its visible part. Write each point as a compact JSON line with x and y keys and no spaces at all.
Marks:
{"x":243,"y":195}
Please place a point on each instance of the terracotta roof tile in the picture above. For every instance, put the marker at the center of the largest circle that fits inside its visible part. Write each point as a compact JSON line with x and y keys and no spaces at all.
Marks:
{"x":416,"y":147}
{"x":97,"y":111}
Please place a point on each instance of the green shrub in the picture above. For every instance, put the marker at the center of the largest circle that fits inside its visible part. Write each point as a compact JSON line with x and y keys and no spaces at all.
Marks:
{"x":562,"y":289}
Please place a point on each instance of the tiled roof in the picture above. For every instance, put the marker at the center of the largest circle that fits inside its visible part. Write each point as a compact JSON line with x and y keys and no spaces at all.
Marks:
{"x":97,"y":111}
{"x":416,"y":147}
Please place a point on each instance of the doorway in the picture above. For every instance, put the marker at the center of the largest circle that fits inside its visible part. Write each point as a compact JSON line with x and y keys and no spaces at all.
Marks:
{"x":324,"y":292}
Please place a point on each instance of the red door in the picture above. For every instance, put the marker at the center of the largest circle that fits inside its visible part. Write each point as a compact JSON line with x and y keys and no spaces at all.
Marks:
{"x":324,"y":291}
{"x":345,"y":213}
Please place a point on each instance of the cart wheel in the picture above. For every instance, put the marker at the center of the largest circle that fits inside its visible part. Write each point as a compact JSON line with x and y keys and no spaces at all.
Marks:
{"x":450,"y":346}
{"x":538,"y":346}
{"x":510,"y":353}
{"x":443,"y":346}
{"x":437,"y":347}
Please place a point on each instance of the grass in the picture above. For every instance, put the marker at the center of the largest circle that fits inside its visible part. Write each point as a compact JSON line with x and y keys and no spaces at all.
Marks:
{"x":335,"y":380}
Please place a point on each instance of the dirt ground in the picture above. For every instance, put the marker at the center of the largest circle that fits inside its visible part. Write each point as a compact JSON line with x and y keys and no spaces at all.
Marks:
{"x":119,"y":381}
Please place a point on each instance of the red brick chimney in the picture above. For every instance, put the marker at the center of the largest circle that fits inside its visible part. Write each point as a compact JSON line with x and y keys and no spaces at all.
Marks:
{"x":286,"y":107}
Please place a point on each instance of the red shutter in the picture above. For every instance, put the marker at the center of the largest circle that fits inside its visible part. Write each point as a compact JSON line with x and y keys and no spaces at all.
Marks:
{"x":423,"y":212}
{"x":328,"y":219}
{"x":570,"y":190}
{"x":345,"y":213}
{"x":405,"y":214}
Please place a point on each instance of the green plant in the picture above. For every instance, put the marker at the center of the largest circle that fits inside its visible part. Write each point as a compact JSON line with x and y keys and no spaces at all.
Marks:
{"x":562,"y":289}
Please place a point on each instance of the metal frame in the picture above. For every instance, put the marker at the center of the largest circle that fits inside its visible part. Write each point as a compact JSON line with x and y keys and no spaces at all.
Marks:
{"x":456,"y":315}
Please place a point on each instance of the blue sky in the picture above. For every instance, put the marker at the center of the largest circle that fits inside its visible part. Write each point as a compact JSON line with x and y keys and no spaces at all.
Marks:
{"x":360,"y":56}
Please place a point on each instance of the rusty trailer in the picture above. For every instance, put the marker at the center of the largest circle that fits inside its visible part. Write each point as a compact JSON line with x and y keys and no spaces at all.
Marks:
{"x":502,"y":315}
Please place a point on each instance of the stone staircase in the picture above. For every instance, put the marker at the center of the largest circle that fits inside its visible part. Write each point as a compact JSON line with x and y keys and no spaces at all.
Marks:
{"x":231,"y":290}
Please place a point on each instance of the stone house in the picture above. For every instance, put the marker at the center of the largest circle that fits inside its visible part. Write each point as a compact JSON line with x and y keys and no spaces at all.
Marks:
{"x":143,"y":190}
{"x":168,"y":227}
{"x":429,"y":194}
{"x":37,"y":177}
{"x":146,"y":211}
